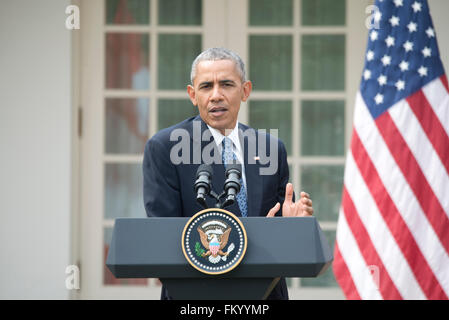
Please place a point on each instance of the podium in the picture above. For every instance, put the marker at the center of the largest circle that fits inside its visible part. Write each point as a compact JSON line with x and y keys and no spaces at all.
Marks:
{"x":277,"y":247}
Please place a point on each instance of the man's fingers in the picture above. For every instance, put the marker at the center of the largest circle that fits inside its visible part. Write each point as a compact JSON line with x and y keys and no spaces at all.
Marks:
{"x":305,"y":195}
{"x":306,"y":211}
{"x":273,"y":210}
{"x":288,"y":193}
{"x":300,"y":208}
{"x":306,"y":202}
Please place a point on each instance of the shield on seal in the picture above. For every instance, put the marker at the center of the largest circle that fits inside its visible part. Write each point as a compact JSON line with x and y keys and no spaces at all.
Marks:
{"x":214,"y":246}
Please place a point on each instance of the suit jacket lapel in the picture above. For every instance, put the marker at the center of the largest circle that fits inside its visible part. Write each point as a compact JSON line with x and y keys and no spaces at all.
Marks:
{"x":253,"y":178}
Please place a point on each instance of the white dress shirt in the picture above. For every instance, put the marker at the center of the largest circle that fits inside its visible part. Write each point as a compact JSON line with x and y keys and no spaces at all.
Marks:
{"x":234,"y":136}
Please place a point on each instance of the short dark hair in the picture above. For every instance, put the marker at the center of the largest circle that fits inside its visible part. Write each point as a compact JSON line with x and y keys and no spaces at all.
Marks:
{"x":215,"y":54}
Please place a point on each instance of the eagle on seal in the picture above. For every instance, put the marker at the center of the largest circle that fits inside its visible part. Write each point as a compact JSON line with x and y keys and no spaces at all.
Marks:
{"x":214,"y":243}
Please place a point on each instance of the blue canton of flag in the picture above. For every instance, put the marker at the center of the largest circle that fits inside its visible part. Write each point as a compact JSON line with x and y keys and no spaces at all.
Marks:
{"x":402,"y":54}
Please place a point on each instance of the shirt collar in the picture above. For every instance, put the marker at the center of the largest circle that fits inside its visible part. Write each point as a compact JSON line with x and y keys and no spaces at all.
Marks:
{"x":234,"y":136}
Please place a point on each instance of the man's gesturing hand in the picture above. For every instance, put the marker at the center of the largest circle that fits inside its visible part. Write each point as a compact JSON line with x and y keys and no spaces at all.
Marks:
{"x":300,"y":208}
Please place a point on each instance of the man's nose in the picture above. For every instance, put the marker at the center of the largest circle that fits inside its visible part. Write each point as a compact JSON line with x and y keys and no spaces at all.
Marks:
{"x":216,"y":93}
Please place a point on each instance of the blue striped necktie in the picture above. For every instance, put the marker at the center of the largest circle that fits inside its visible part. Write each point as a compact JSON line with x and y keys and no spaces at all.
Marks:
{"x":228,"y":156}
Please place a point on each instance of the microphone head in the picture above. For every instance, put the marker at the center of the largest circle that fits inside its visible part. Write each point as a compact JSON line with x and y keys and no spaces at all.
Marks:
{"x":233,"y":168}
{"x":233,"y":175}
{"x":202,"y":184}
{"x":205,"y":168}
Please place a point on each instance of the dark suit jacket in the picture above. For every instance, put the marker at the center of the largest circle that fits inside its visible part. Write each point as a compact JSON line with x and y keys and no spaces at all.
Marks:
{"x":168,"y":188}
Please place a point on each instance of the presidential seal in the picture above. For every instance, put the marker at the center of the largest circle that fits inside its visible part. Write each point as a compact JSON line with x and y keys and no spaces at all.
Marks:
{"x":214,"y":241}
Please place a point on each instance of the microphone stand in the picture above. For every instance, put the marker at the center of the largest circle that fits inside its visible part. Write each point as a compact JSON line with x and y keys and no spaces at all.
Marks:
{"x":219,"y":204}
{"x":217,"y":197}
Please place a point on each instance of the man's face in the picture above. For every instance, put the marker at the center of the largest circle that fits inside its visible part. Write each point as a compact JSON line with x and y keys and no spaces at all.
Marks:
{"x":217,"y":91}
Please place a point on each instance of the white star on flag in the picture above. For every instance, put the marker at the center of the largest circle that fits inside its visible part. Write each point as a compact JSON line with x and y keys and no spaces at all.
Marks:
{"x":389,"y":41}
{"x":408,"y":46}
{"x":422,"y":71}
{"x":377,"y":16}
{"x":412,"y":27}
{"x":366,"y":74}
{"x":403,"y":65}
{"x":379,"y":98}
{"x":394,"y":21}
{"x":382,"y":80}
{"x":400,"y":85}
{"x":386,"y":60}
{"x":416,"y":6}
{"x":430,"y":32}
{"x":427,"y":52}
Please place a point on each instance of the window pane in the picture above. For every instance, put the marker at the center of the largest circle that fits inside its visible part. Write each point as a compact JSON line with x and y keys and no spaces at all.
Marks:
{"x":327,"y":279}
{"x":123,"y":191}
{"x":324,"y":184}
{"x":127,"y":11}
{"x":180,"y":12}
{"x":323,"y":62}
{"x":273,"y":115}
{"x":271,"y":12}
{"x":323,"y":128}
{"x":176,"y":54}
{"x":323,"y":12}
{"x":108,"y":277}
{"x":271,"y":62}
{"x":127,"y":61}
{"x":126,"y":125}
{"x":171,"y":112}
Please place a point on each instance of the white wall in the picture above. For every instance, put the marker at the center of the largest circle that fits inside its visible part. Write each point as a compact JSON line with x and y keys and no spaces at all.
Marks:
{"x":439,"y":9}
{"x":35,"y":122}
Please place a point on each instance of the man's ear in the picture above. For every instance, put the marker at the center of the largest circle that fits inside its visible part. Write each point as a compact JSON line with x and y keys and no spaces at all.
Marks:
{"x":192,"y":94}
{"x":247,"y":88}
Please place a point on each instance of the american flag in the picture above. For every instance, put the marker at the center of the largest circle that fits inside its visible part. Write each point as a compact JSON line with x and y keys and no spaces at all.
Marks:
{"x":393,"y":230}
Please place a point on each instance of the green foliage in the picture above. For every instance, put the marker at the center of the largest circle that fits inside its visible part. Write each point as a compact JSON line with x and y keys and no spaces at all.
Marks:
{"x":198,"y":250}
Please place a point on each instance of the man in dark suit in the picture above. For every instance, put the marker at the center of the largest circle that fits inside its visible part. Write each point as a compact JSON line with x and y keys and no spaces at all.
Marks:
{"x":172,"y":156}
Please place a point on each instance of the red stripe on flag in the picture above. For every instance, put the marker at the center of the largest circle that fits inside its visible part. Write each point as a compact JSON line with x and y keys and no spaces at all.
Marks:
{"x":431,"y":125}
{"x":443,"y":79}
{"x":402,"y":235}
{"x":415,"y":178}
{"x":387,"y":288}
{"x":343,"y":276}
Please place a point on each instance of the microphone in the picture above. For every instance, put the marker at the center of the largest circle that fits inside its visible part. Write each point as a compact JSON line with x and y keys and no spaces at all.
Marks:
{"x":232,"y":183}
{"x":202,"y":184}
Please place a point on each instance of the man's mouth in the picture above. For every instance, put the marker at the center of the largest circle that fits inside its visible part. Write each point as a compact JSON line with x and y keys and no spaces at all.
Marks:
{"x":217,"y":111}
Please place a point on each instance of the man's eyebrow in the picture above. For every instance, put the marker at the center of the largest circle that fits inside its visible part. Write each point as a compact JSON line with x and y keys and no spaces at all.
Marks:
{"x":205,"y":83}
{"x":222,"y":82}
{"x":225,"y":81}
